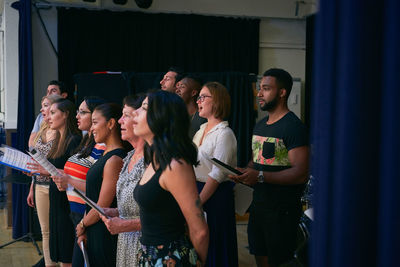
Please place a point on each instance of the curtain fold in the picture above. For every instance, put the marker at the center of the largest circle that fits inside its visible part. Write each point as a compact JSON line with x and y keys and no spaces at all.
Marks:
{"x":355,"y":134}
{"x":25,"y":112}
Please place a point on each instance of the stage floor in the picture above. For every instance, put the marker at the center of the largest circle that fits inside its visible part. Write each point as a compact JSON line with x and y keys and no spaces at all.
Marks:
{"x":23,"y":254}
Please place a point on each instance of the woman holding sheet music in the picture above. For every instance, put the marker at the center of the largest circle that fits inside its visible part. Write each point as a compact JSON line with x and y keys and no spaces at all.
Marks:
{"x":62,"y":120}
{"x":43,"y":142}
{"x":77,"y":166}
{"x":101,"y":180}
{"x":216,"y":140}
{"x":124,"y":220}
{"x":167,"y":193}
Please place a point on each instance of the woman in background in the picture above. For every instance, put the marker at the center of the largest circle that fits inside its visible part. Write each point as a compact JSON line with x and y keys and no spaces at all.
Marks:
{"x":216,"y":140}
{"x":42,"y":142}
{"x":167,"y":193}
{"x":77,"y":166}
{"x":124,"y":220}
{"x":62,"y":120}
{"x":101,"y":180}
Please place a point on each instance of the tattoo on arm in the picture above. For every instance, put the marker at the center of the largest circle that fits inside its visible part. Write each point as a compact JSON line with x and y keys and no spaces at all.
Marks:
{"x":200,"y":209}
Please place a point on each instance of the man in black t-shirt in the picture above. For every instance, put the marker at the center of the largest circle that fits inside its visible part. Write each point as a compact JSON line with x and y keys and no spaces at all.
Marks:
{"x":278,"y":171}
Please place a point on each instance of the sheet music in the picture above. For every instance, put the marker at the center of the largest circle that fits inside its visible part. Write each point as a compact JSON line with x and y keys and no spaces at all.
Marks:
{"x":14,"y":158}
{"x":85,"y":255}
{"x":42,"y":160}
{"x":243,"y":198}
{"x":90,"y":202}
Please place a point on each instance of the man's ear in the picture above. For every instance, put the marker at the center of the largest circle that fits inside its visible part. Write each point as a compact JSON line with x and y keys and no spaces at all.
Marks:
{"x":64,"y":95}
{"x":194,"y":93}
{"x":283,"y":93}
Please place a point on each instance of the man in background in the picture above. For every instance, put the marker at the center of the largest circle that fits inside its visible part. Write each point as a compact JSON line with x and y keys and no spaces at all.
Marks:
{"x":188,"y":89}
{"x":170,"y":79}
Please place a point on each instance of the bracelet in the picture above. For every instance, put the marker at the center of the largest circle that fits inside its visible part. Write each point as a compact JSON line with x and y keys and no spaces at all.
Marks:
{"x":82,"y":224}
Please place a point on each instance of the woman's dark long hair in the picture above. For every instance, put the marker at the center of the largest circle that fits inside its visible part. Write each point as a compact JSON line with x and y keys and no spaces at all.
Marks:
{"x":113,"y":111}
{"x":169,"y":121}
{"x":71,"y":129}
{"x":87,"y":144}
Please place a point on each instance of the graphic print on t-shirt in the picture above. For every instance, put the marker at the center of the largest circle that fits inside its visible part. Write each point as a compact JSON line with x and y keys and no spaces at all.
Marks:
{"x":269,"y":151}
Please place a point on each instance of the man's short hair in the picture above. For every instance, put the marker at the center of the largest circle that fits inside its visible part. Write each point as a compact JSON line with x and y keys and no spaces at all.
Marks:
{"x":179,"y":73}
{"x":283,"y":79}
{"x":60,"y":84}
{"x":197,"y":82}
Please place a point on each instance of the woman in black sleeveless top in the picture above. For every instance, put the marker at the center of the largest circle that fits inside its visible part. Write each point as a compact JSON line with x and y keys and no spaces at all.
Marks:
{"x":167,"y":193}
{"x":101,"y":180}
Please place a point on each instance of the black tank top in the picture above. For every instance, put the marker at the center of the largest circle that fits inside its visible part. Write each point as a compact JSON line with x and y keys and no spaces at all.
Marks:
{"x":161,"y":218}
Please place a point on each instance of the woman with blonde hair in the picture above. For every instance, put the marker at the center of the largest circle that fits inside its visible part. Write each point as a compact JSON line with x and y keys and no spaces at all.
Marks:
{"x":40,"y":184}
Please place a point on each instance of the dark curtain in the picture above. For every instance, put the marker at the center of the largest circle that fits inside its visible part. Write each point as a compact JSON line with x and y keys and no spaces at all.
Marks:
{"x":25,"y":112}
{"x":355,"y":134}
{"x":91,"y":41}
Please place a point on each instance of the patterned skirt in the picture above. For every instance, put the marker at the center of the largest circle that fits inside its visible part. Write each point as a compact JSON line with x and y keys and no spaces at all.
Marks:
{"x":177,"y":253}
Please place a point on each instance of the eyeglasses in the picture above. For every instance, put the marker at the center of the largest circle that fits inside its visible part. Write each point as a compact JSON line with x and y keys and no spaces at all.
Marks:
{"x":82,"y":112}
{"x":201,"y":98}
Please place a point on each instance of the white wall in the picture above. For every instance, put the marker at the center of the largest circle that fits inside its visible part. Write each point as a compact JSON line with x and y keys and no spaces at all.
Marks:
{"x":283,"y":45}
{"x":9,"y":68}
{"x":45,"y":66}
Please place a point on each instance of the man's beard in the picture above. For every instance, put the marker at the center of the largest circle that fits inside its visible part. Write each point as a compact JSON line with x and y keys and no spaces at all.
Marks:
{"x":271,"y":105}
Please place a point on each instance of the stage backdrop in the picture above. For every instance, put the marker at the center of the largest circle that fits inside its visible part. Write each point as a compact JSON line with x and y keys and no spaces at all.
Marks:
{"x":91,"y":41}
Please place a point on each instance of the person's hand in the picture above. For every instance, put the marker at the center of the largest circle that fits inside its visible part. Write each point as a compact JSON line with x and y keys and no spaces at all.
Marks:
{"x":113,"y":224}
{"x":249,"y":176}
{"x":29,"y":199}
{"x":61,"y":180}
{"x":28,"y":173}
{"x":82,"y":238}
{"x":37,"y":168}
{"x":79,"y":230}
{"x":111,"y":212}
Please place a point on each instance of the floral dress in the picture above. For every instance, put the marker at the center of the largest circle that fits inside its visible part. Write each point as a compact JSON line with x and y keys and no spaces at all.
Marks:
{"x":128,"y":242}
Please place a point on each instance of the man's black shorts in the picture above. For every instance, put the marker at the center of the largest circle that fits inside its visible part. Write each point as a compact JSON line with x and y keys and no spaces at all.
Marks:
{"x":273,"y":232}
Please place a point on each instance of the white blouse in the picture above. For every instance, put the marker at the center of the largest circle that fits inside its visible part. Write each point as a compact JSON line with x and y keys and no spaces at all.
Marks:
{"x":220,"y":143}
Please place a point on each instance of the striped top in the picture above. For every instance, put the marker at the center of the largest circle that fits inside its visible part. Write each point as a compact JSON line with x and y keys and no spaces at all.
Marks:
{"x":77,"y":168}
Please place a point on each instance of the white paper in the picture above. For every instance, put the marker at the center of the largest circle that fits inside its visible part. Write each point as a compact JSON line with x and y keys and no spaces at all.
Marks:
{"x":42,"y":160}
{"x":15,"y":159}
{"x":85,"y":255}
{"x":90,"y":202}
{"x":243,"y":198}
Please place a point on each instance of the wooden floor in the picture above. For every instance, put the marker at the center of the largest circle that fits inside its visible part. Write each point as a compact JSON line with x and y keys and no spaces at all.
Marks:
{"x":22,"y":254}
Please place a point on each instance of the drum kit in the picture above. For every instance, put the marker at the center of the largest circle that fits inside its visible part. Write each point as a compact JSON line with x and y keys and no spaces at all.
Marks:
{"x":303,"y":231}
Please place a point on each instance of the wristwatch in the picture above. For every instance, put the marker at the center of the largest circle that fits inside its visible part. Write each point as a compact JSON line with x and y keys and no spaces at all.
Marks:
{"x":260,"y":177}
{"x":82,"y":224}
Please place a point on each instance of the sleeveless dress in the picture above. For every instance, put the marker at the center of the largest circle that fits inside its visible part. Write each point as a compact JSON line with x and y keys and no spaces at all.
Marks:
{"x":101,"y":245}
{"x":62,"y":231}
{"x":128,"y":242}
{"x":164,"y":242}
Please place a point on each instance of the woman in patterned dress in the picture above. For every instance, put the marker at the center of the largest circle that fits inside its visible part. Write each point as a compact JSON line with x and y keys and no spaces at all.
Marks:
{"x":124,"y":220}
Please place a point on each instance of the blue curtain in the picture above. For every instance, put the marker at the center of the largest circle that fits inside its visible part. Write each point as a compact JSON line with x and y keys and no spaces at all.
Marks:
{"x":355,"y":134}
{"x":25,"y":112}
